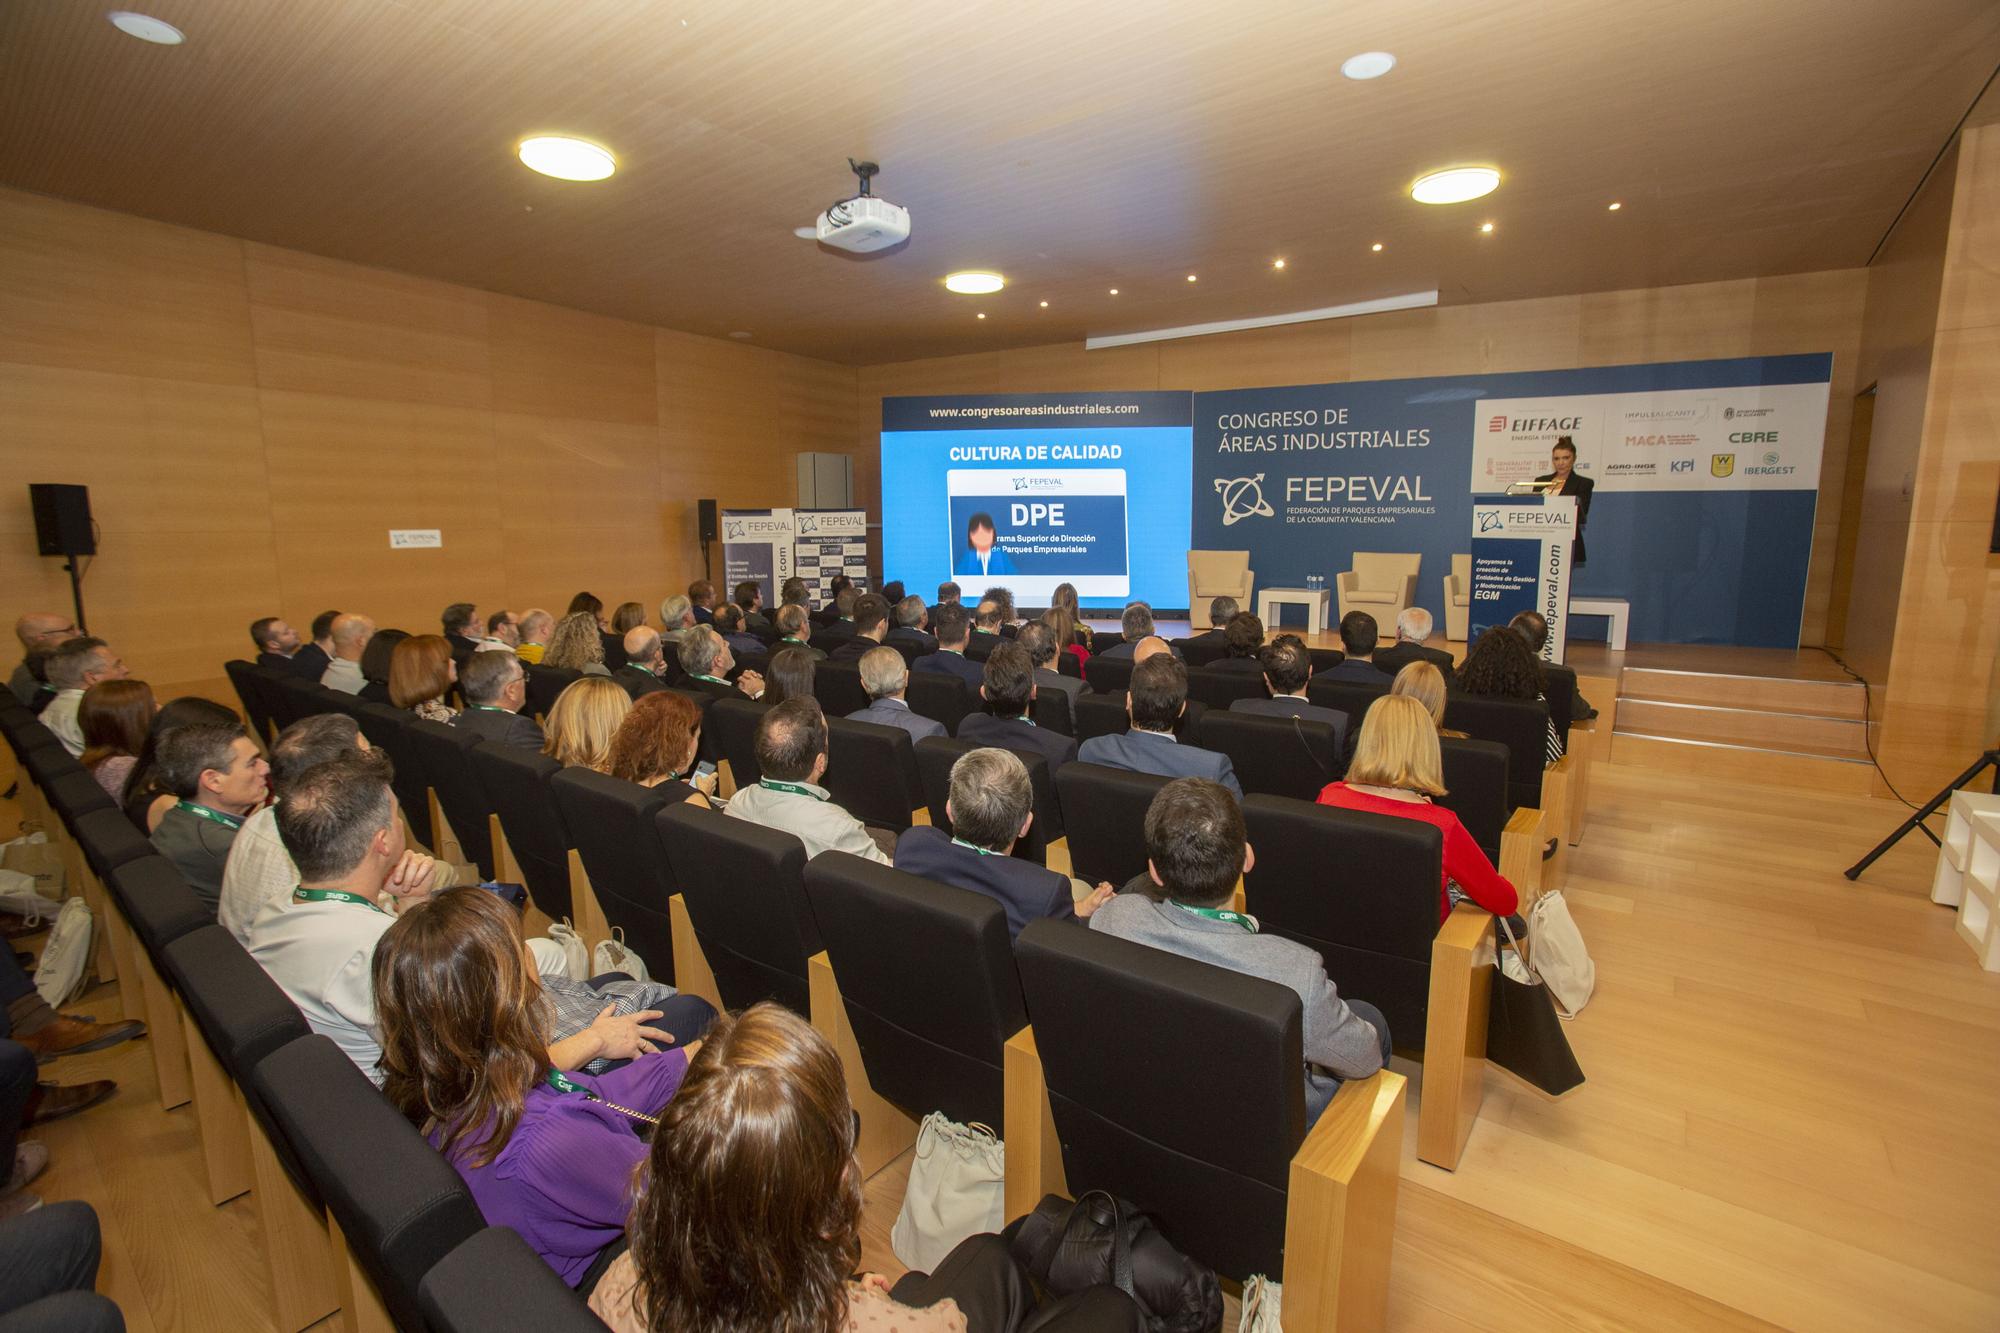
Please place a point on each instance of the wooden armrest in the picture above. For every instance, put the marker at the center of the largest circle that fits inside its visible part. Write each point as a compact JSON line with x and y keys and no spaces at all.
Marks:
{"x":1560,"y":783}
{"x":692,"y":974}
{"x":1582,"y":736}
{"x":1340,"y":1209}
{"x":886,"y":1129}
{"x":1034,"y":1162}
{"x":1521,"y":845}
{"x":1455,"y":1034}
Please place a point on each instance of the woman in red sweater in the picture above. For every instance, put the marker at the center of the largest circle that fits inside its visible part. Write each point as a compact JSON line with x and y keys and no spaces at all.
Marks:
{"x":1396,"y":771}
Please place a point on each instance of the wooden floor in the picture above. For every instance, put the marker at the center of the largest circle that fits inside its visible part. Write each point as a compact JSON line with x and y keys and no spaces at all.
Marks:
{"x":1790,"y":1118}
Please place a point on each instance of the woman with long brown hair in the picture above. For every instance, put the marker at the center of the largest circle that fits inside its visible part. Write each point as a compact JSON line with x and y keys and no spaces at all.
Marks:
{"x":115,"y":717}
{"x":628,"y":616}
{"x":464,"y":1056}
{"x":655,"y":746}
{"x":421,"y":672}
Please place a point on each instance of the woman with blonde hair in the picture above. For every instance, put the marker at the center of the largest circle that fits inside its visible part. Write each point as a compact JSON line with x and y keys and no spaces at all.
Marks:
{"x":628,"y":616}
{"x":582,"y":721}
{"x":420,"y":672}
{"x":1396,"y":770}
{"x":1423,"y":682}
{"x":577,"y":645}
{"x":655,"y":746}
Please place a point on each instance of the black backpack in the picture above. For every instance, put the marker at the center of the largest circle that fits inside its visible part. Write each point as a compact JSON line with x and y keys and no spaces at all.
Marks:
{"x":1066,"y":1247}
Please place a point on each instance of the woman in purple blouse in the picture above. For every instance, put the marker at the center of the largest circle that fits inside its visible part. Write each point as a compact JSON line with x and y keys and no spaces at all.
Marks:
{"x":551,"y":1154}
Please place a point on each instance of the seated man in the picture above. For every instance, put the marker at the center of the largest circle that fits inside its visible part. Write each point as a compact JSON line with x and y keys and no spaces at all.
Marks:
{"x":1242,"y":636}
{"x":949,"y":594}
{"x":749,"y":600}
{"x":503,"y":633}
{"x":953,"y":628}
{"x":676,"y":617}
{"x":1134,"y":624}
{"x":701,"y":601}
{"x":991,"y":806}
{"x":1040,"y":641}
{"x":645,"y":662}
{"x":219,"y":777}
{"x":871,"y":627}
{"x":39,"y":633}
{"x":351,"y":634}
{"x":1287,"y":667}
{"x":310,"y":661}
{"x":277,"y":643}
{"x":791,"y":755}
{"x":708,"y":662}
{"x":461,"y":631}
{"x":841,"y":624}
{"x":1533,"y":628}
{"x":885,"y":677}
{"x":835,"y":586}
{"x":987,"y":618}
{"x":791,"y":623}
{"x":1155,"y":702}
{"x":1008,"y":695}
{"x":1219,"y":612}
{"x":73,"y":667}
{"x":911,"y":617}
{"x":1357,"y":637}
{"x":728,"y":623}
{"x":536,"y":627}
{"x":1413,"y":627}
{"x":1195,"y":850}
{"x":495,"y":686}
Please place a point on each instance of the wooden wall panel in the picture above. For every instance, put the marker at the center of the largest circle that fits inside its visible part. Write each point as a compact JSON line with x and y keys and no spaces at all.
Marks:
{"x":1469,"y":339}
{"x":563,"y":363}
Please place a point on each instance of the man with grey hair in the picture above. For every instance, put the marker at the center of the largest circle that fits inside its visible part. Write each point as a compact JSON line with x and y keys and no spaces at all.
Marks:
{"x":1219,"y":612}
{"x":676,"y":617}
{"x":885,"y":676}
{"x":644,"y":661}
{"x":1040,"y":643}
{"x":351,"y":634}
{"x":495,"y":686}
{"x":792,"y":622}
{"x":912,"y":617}
{"x":991,"y":806}
{"x":537,"y":625}
{"x":39,"y":633}
{"x":1135,"y":624}
{"x":1413,"y":628}
{"x":708,"y":662}
{"x":75,"y":666}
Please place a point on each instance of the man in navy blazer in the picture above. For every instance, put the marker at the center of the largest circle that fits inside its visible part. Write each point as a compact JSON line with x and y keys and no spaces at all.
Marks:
{"x":885,"y":677}
{"x":1157,"y":697}
{"x":1009,"y":695}
{"x":1287,"y":668}
{"x":1357,"y":636}
{"x":953,"y":627}
{"x":495,"y":686}
{"x":1413,"y":626}
{"x":991,"y":805}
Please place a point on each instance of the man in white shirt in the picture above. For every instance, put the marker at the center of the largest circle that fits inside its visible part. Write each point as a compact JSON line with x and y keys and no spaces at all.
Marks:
{"x":74,"y":667}
{"x":503,"y":633}
{"x":351,"y":634}
{"x":791,"y":754}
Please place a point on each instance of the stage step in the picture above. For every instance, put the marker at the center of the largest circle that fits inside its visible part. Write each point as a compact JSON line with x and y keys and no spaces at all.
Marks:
{"x":1731,"y":726}
{"x":1769,"y":694}
{"x":1742,"y":763}
{"x":1768,"y":729}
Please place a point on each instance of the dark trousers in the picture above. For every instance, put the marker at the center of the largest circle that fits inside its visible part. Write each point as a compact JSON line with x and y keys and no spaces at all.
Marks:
{"x":995,"y":1296}
{"x":17,"y":1084}
{"x":48,"y":1265}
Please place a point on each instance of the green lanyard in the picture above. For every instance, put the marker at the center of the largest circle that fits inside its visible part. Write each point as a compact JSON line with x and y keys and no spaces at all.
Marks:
{"x":713,"y":679}
{"x":306,"y":895}
{"x":561,"y":1084}
{"x":1248,"y":923}
{"x":637,"y":667}
{"x":983,"y":851}
{"x":794,"y":788}
{"x":489,"y":708}
{"x":230,"y":822}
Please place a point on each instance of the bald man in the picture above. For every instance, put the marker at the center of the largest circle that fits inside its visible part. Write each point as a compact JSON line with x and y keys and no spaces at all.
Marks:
{"x":1148,"y":647}
{"x":39,"y":633}
{"x":351,"y":634}
{"x":645,"y":663}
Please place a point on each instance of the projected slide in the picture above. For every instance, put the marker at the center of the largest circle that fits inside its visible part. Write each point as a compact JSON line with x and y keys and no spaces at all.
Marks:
{"x":1029,"y":491}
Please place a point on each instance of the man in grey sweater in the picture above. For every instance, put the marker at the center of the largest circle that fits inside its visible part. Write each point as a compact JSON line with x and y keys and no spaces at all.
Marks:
{"x":1195,"y":849}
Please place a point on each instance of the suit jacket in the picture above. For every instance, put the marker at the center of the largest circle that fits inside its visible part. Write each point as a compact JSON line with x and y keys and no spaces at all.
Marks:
{"x":1354,"y":672}
{"x":952,"y":664}
{"x":1027,"y":891}
{"x":462,"y":649}
{"x":852,"y":649}
{"x":896,"y":713}
{"x":1046,"y":679}
{"x":1011,"y":733}
{"x":713,"y":688}
{"x":980,"y":644}
{"x":782,"y":644}
{"x":1151,"y":752}
{"x":744,"y":643}
{"x":1582,"y":488}
{"x":638,"y":681}
{"x":1392,"y":659}
{"x":278,"y":661}
{"x":904,"y":634}
{"x":309,"y":662}
{"x":1131,"y":646}
{"x":497,"y":726}
{"x":614,"y":649}
{"x":702,"y":615}
{"x":1288,"y":705}
{"x":756,"y":622}
{"x":1214,"y":637}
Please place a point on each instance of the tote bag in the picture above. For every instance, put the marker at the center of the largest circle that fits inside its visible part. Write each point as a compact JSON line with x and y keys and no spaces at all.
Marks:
{"x":1557,"y":954}
{"x":957,"y":1189}
{"x":1524,"y":1035}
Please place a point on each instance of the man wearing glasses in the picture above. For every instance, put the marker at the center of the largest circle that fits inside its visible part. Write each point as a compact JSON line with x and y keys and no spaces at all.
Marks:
{"x":39,"y":633}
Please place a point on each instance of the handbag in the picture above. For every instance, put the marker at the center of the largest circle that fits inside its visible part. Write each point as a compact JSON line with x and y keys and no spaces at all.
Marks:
{"x":1524,"y":1034}
{"x":66,"y":955}
{"x":576,"y":957}
{"x":614,"y":955}
{"x":1557,"y":954}
{"x":1261,"y":1301}
{"x":40,"y":860}
{"x":1066,"y":1247}
{"x":957,"y":1189}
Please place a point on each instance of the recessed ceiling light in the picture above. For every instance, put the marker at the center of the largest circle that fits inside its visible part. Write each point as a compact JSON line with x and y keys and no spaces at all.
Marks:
{"x":1485,"y":228}
{"x":1191,"y":277}
{"x":567,"y":159}
{"x":1455,"y":185}
{"x":146,"y":28}
{"x":1368,"y":65}
{"x":1377,"y":247}
{"x":1114,"y":291}
{"x":1045,"y":305}
{"x":982,"y":314}
{"x":974,"y":282}
{"x":1277,"y":263}
{"x":1614,"y":205}
{"x":740,"y":333}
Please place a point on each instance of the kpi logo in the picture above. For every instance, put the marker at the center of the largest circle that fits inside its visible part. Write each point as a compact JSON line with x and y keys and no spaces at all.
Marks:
{"x":1681,"y":465}
{"x":1242,"y":497}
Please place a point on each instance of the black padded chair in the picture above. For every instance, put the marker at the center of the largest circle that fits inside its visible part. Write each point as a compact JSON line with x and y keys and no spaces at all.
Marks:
{"x":612,"y":823}
{"x":1094,"y":715}
{"x":837,"y":686}
{"x":545,"y":683}
{"x":940,"y":697}
{"x":911,"y":650}
{"x":516,"y":781}
{"x":733,"y":725}
{"x":493,"y":1280}
{"x":387,"y":730}
{"x":1279,"y":756}
{"x":745,"y":892}
{"x":1475,"y":779}
{"x":1104,"y":810}
{"x":1520,"y":725}
{"x":75,"y":794}
{"x":249,"y":689}
{"x":46,"y":764}
{"x":1350,"y":697}
{"x":936,"y":755}
{"x":872,"y":772}
{"x":926,"y":974}
{"x":979,"y":647}
{"x":158,"y":903}
{"x":1108,"y":675}
{"x":708,"y":749}
{"x":1068,"y":665}
{"x":1325,"y":659}
{"x":24,"y":731}
{"x":1104,"y":640}
{"x":295,"y":697}
{"x":1559,"y":686}
{"x":1200,"y":651}
{"x":1361,"y":889}
{"x":446,"y":755}
{"x":242,"y":1012}
{"x":1219,"y":689}
{"x":399,"y":1205}
{"x":108,"y":840}
{"x":1114,"y":1022}
{"x":1053,"y":711}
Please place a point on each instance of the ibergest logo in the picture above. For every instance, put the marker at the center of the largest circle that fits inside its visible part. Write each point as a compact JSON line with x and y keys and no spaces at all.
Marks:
{"x":1721,"y":465}
{"x":1242,"y":497}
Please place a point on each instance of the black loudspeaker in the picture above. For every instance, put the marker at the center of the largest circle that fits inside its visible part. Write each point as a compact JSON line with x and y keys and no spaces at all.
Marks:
{"x":710,"y":526}
{"x":62,"y":519}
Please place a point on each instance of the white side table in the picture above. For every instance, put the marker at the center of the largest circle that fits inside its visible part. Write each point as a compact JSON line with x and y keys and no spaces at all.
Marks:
{"x":1617,"y":608}
{"x":1948,"y":886}
{"x":1316,"y":601}
{"x":1979,"y":909}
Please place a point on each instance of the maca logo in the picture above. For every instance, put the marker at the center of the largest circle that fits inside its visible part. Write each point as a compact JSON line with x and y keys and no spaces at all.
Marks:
{"x":1498,"y":423}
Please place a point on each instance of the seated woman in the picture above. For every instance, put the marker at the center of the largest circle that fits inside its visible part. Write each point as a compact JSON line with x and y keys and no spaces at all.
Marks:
{"x":1423,"y":682}
{"x":548,"y":1153}
{"x":1396,"y":771}
{"x":789,"y":675}
{"x":146,"y":798}
{"x":377,"y":659}
{"x":629,"y":616}
{"x":655,"y":746}
{"x":421,"y":673}
{"x":115,"y":718}
{"x":582,"y":721}
{"x":577,"y":645}
{"x":1500,"y":665}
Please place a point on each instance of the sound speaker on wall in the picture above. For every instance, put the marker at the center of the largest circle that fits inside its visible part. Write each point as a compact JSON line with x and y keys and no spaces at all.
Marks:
{"x":710,"y":525}
{"x":62,"y":519}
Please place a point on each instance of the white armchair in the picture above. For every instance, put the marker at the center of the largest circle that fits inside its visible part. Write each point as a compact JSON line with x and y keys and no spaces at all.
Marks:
{"x":1380,"y":584}
{"x":1458,"y":599}
{"x":1213,"y":574}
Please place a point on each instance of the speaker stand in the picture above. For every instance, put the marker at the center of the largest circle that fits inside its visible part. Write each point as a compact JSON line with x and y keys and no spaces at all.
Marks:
{"x":76,"y":590}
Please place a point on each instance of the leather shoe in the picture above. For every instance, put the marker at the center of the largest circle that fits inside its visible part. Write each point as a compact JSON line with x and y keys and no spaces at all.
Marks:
{"x":53,"y":1101}
{"x":69,"y":1035}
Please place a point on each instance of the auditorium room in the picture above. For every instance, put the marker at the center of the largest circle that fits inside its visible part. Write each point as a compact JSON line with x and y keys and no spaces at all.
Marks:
{"x":732,"y":666}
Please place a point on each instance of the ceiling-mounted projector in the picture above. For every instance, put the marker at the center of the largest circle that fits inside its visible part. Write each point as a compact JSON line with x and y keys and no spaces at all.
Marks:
{"x":863,"y":224}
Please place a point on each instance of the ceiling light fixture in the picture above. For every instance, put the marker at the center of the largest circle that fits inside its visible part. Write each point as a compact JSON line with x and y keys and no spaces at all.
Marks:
{"x":1368,"y":65}
{"x":1114,"y":291}
{"x":1454,"y":185}
{"x":740,"y":333}
{"x":1191,"y":277}
{"x":1045,"y":305}
{"x":1614,"y":206}
{"x":1409,"y":301}
{"x":1377,"y":247}
{"x":974,"y":282}
{"x":567,"y":159}
{"x":1485,"y":228}
{"x":1277,"y":263}
{"x":146,"y":28}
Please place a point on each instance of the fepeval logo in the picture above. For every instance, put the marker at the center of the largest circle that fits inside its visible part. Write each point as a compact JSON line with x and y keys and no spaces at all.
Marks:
{"x":1721,"y":465}
{"x":1491,"y":520}
{"x":1242,"y":497}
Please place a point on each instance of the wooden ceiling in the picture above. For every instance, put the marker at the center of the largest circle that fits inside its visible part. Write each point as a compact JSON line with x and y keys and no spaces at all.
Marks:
{"x":1074,"y":147}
